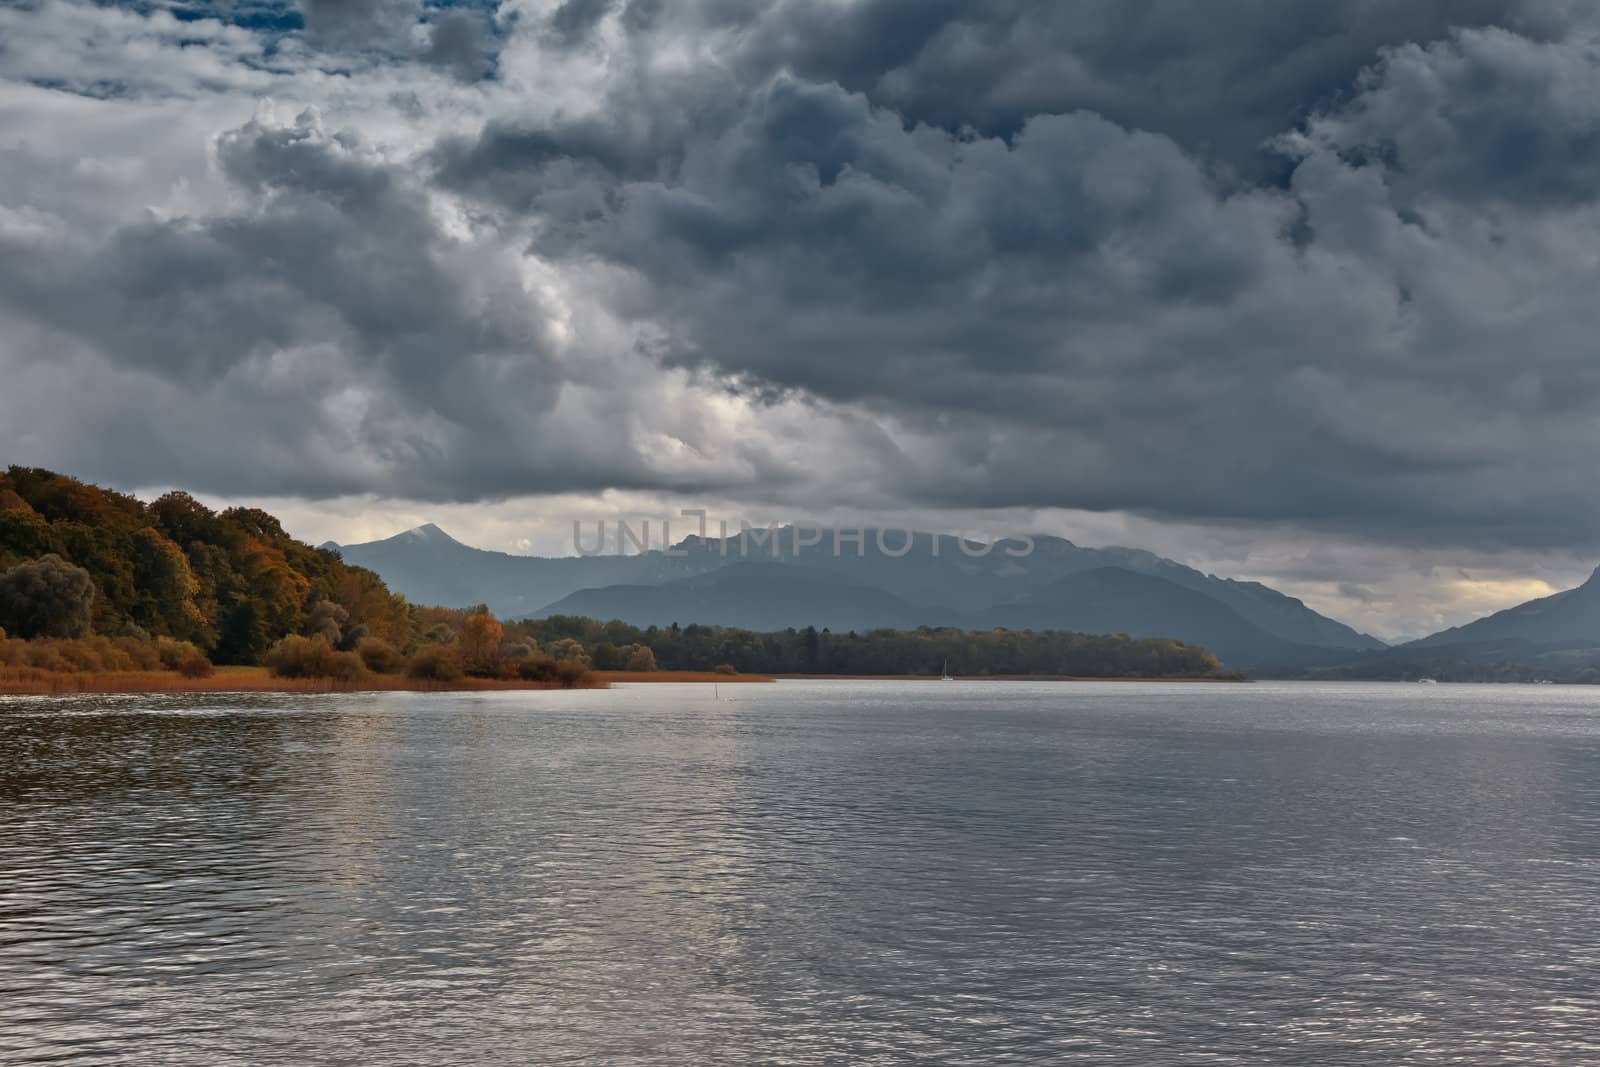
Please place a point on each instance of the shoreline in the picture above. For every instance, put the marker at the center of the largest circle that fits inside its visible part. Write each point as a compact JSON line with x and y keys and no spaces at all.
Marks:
{"x":681,"y":677}
{"x":257,"y":680}
{"x":1120,"y":679}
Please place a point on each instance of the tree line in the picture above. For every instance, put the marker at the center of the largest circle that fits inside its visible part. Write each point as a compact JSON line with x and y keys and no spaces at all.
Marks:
{"x":927,"y":651}
{"x":92,"y":579}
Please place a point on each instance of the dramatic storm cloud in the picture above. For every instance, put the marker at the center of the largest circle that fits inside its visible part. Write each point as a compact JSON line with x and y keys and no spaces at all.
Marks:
{"x":1298,"y":274}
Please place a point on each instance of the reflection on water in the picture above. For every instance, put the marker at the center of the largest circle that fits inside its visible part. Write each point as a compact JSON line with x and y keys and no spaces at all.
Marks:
{"x":806,"y":873}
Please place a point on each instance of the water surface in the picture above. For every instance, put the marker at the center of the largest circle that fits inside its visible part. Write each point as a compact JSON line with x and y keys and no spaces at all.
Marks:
{"x":806,"y":873}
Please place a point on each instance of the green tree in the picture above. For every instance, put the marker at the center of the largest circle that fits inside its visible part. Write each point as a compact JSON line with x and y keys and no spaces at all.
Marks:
{"x":46,"y":597}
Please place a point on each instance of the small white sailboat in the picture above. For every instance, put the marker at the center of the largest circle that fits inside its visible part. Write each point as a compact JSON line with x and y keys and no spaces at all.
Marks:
{"x":946,"y":675}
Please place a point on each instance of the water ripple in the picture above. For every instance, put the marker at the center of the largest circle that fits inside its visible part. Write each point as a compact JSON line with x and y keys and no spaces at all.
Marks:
{"x":810,"y":874}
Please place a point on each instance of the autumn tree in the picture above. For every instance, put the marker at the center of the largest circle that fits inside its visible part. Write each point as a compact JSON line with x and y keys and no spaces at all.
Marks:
{"x":480,"y":641}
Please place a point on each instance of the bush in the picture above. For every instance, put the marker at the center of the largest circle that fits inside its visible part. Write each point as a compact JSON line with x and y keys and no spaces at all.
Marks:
{"x":726,"y":668}
{"x":172,"y":653}
{"x":640,"y":659}
{"x":97,"y":653}
{"x":380,"y":656}
{"x":137,"y":654}
{"x":312,"y":657}
{"x":570,"y":673}
{"x":196,"y":667}
{"x":567,"y":673}
{"x":47,"y":656}
{"x":435,"y":663}
{"x":537,"y":669}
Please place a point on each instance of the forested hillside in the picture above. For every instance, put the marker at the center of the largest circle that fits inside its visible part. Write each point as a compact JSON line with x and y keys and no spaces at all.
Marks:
{"x":230,"y":582}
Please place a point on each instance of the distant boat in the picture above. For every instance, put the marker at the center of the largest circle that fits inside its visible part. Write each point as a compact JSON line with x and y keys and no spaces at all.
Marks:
{"x":946,"y":676}
{"x":1427,"y":681}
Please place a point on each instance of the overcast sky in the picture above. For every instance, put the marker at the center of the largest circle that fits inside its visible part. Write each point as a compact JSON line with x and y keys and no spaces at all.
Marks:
{"x":1296,"y":290}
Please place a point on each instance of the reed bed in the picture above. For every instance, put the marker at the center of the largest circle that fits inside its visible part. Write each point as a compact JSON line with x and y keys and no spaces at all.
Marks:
{"x":31,"y":681}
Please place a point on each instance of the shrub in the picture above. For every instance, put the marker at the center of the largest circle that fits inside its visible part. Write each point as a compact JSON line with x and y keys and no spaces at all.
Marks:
{"x":196,"y":667}
{"x":726,"y":668}
{"x":312,"y":657}
{"x":537,"y":669}
{"x":435,"y":663}
{"x":171,"y":653}
{"x":640,"y":659}
{"x":136,"y":654}
{"x":47,"y":656}
{"x":570,"y":673}
{"x":95,"y":653}
{"x":380,"y":656}
{"x":77,"y":655}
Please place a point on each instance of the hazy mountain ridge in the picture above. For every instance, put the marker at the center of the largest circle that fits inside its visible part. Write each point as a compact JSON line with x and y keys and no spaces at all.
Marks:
{"x":1554,"y":638}
{"x":955,"y":579}
{"x":780,"y":581}
{"x":763,"y":597}
{"x":1249,"y":624}
{"x":1572,"y":615}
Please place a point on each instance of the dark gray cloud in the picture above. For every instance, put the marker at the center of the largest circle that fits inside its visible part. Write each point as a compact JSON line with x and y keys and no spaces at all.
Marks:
{"x":1488,"y":116}
{"x":334,"y":246}
{"x":458,"y":41}
{"x":1252,"y":262}
{"x":1331,"y":349}
{"x":575,"y":20}
{"x":1219,"y":78}
{"x":359,"y":24}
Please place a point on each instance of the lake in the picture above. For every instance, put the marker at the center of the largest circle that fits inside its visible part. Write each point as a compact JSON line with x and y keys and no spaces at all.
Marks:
{"x":805,"y":873}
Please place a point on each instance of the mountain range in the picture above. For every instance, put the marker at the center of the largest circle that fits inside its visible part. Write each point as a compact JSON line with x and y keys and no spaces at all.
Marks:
{"x":875,"y":582}
{"x":799,"y":578}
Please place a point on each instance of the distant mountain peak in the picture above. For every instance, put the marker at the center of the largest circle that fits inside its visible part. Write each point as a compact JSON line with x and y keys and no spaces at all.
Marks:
{"x":428,"y":534}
